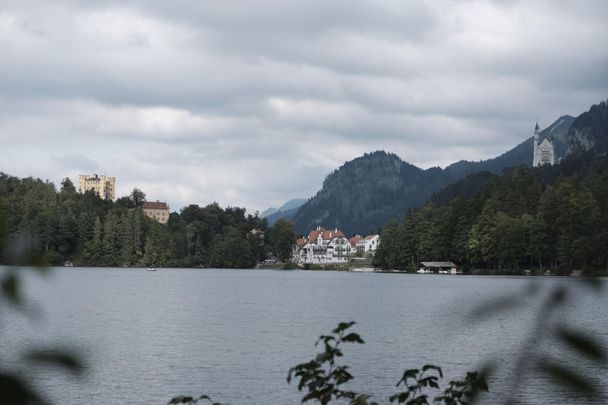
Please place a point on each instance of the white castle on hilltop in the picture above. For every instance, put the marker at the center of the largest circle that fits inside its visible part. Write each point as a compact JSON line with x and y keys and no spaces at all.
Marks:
{"x":544,"y":151}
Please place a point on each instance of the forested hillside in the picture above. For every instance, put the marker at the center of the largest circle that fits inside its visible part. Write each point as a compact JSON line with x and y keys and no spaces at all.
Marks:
{"x":82,"y":228}
{"x":543,"y":218}
{"x":360,"y":195}
{"x":365,"y":193}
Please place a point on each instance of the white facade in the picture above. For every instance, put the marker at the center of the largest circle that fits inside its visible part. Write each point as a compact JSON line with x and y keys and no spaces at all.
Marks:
{"x":544,"y":150}
{"x":368,"y":244}
{"x":323,"y":246}
{"x":338,"y":250}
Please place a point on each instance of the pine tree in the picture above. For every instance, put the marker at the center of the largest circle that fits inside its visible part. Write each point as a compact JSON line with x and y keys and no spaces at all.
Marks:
{"x":92,"y":251}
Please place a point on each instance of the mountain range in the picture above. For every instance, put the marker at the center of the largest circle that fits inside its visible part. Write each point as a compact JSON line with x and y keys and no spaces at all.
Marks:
{"x":286,"y":211}
{"x":364,"y":194}
{"x":289,"y":205}
{"x":367,"y":192}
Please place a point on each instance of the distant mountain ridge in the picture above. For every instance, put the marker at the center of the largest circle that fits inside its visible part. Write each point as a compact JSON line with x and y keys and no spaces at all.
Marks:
{"x":365,"y":193}
{"x":286,"y":211}
{"x":287,"y":214}
{"x":289,"y":205}
{"x":268,"y":211}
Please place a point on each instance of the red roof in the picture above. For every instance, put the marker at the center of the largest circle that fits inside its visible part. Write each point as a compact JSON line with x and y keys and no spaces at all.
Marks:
{"x":326,"y":234}
{"x":330,"y":234}
{"x":300,"y":242}
{"x":313,"y":235}
{"x":158,"y":205}
{"x":354,"y":240}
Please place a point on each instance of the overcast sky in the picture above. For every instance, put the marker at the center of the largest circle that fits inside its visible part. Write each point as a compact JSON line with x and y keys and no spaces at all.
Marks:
{"x":252,"y":103}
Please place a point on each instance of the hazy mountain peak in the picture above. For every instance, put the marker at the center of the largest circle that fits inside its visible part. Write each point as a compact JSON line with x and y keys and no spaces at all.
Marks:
{"x":291,"y":204}
{"x":268,"y":211}
{"x":288,"y":206}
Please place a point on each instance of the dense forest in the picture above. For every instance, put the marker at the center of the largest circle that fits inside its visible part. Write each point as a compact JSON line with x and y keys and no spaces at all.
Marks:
{"x":545,"y":218}
{"x":84,"y":229}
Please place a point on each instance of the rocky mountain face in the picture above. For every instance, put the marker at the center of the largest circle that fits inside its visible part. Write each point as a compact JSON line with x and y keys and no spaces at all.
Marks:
{"x":559,"y":130}
{"x":589,"y":132}
{"x":367,"y":192}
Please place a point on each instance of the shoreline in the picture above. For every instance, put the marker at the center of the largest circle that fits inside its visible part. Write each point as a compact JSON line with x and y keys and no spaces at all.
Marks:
{"x":280,"y":267}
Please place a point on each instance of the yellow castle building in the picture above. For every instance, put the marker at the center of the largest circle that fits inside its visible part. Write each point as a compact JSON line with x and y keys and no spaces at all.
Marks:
{"x":104,"y":186}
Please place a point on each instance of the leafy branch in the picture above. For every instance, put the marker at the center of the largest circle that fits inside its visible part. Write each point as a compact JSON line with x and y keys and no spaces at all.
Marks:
{"x":15,"y":386}
{"x":322,"y":376}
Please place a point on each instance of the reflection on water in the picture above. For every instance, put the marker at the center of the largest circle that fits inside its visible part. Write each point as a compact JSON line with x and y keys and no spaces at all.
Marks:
{"x":233,"y":334}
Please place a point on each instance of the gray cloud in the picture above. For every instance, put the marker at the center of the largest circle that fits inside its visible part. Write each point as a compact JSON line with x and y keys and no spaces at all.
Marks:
{"x":74,"y":163}
{"x":253,"y":103}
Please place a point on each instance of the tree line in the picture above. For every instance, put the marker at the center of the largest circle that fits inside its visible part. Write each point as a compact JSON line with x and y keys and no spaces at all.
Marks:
{"x":65,"y":225}
{"x":547,"y":218}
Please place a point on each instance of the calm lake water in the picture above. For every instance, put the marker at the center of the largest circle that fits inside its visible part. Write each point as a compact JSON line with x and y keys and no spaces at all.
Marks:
{"x":234,"y":334}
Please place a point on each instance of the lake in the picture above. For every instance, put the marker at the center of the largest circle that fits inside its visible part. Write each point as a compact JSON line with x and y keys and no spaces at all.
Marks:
{"x":234,"y":334}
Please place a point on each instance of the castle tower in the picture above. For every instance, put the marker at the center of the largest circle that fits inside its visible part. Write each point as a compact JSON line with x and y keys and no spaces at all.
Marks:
{"x":544,"y":150}
{"x":536,"y":142}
